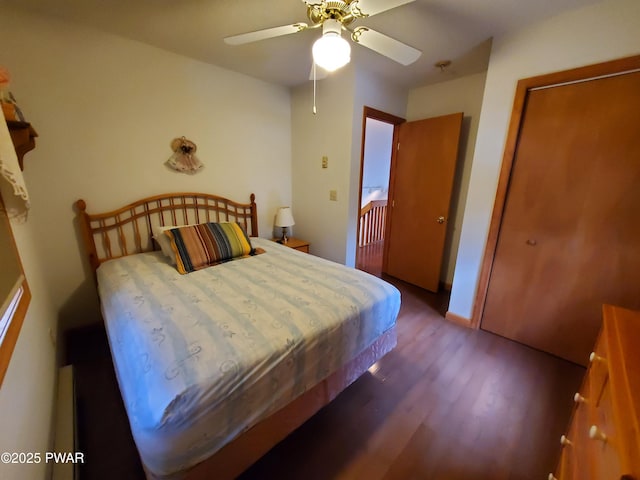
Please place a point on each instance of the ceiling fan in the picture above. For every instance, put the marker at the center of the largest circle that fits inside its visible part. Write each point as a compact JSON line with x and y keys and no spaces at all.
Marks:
{"x":331,"y":51}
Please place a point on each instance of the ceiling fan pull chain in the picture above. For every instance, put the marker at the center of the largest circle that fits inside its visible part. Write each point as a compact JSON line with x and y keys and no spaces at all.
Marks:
{"x":314,"y":88}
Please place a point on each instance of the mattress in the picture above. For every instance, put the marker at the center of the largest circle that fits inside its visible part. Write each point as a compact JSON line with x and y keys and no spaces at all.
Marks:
{"x":202,"y":357}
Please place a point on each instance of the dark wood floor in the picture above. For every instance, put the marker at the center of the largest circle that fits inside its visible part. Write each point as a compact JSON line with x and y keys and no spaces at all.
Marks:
{"x":448,"y":403}
{"x":369,"y":258}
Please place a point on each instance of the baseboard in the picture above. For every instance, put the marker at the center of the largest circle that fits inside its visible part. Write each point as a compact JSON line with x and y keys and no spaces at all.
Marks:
{"x":65,"y":438}
{"x":459,"y":319}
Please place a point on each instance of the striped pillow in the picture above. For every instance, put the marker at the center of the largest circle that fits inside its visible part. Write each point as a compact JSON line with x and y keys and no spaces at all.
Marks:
{"x":199,"y":246}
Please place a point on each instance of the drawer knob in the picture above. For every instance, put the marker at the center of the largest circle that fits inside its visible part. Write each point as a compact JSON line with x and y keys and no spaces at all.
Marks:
{"x":579,"y":398}
{"x":594,"y":357}
{"x":596,"y":434}
{"x":552,"y":477}
{"x":564,"y":441}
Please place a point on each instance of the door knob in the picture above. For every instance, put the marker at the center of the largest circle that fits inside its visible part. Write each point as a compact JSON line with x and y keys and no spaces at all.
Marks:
{"x":440,"y":220}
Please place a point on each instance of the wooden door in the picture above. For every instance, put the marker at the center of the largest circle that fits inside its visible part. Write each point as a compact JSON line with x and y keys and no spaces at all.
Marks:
{"x":569,"y":240}
{"x":422,"y":178}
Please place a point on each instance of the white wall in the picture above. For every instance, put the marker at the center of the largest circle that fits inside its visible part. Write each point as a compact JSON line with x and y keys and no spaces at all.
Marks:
{"x":589,"y":35}
{"x":378,"y":143}
{"x":27,"y":392}
{"x":459,"y":95}
{"x":327,"y":133}
{"x":106,"y":110}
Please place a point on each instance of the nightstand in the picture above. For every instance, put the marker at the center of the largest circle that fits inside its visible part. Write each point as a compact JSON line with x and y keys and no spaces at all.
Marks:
{"x":295,"y":243}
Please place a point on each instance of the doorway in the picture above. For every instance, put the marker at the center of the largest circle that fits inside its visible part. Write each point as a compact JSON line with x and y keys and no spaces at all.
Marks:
{"x":375,"y":168}
{"x":403,"y":234}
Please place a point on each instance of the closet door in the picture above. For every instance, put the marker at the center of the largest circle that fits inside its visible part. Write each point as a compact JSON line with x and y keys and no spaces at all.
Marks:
{"x":569,"y":240}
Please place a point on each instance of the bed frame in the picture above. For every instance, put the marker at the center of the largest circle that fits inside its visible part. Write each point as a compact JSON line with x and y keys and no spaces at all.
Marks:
{"x":129,"y":230}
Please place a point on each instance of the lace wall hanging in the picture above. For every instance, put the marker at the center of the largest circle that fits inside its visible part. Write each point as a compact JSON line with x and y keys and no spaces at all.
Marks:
{"x":184,"y":156}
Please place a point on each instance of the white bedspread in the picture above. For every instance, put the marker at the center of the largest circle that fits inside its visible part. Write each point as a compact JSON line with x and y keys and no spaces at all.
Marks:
{"x":204,"y":356}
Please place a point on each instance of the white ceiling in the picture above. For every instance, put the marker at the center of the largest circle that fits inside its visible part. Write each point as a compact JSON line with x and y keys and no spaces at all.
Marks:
{"x":457,"y":30}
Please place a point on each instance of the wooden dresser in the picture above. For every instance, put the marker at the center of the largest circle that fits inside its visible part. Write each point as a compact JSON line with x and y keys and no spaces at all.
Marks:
{"x":603,"y":440}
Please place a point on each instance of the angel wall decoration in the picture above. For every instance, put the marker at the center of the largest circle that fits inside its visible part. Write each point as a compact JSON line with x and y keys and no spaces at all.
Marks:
{"x":184,"y":159}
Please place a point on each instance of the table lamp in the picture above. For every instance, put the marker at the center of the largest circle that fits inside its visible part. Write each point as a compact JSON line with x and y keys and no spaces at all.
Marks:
{"x":284,"y":219}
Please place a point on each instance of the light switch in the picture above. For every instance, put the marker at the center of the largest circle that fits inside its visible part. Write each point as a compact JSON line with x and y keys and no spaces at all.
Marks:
{"x":325,"y":161}
{"x":333,"y":195}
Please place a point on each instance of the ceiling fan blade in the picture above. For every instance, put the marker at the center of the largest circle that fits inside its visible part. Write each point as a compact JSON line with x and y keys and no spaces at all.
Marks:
{"x":366,"y":8}
{"x":387,"y":46}
{"x":264,"y":34}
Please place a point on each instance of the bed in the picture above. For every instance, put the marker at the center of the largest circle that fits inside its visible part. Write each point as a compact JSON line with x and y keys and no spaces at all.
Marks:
{"x":218,"y":365}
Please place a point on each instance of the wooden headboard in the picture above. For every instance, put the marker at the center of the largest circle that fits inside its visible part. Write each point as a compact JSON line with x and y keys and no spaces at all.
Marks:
{"x":128,"y":230}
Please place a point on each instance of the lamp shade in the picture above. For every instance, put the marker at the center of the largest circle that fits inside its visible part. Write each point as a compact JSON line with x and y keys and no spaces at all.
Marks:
{"x":284,"y":218}
{"x":331,"y":51}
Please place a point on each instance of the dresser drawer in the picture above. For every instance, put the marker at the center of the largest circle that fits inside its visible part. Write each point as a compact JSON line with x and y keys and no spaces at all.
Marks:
{"x":605,"y":446}
{"x":598,"y":371}
{"x":575,"y":459}
{"x":566,"y":466}
{"x":578,"y":449}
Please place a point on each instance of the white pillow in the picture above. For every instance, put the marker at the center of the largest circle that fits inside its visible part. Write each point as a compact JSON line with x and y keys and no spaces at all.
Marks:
{"x":164,"y":241}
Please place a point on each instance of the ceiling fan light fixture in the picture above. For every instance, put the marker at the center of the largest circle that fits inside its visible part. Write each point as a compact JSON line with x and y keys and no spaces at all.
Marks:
{"x":331,"y":51}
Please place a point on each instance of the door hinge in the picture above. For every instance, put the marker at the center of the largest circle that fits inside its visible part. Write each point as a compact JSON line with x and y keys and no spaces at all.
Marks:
{"x":398,"y":147}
